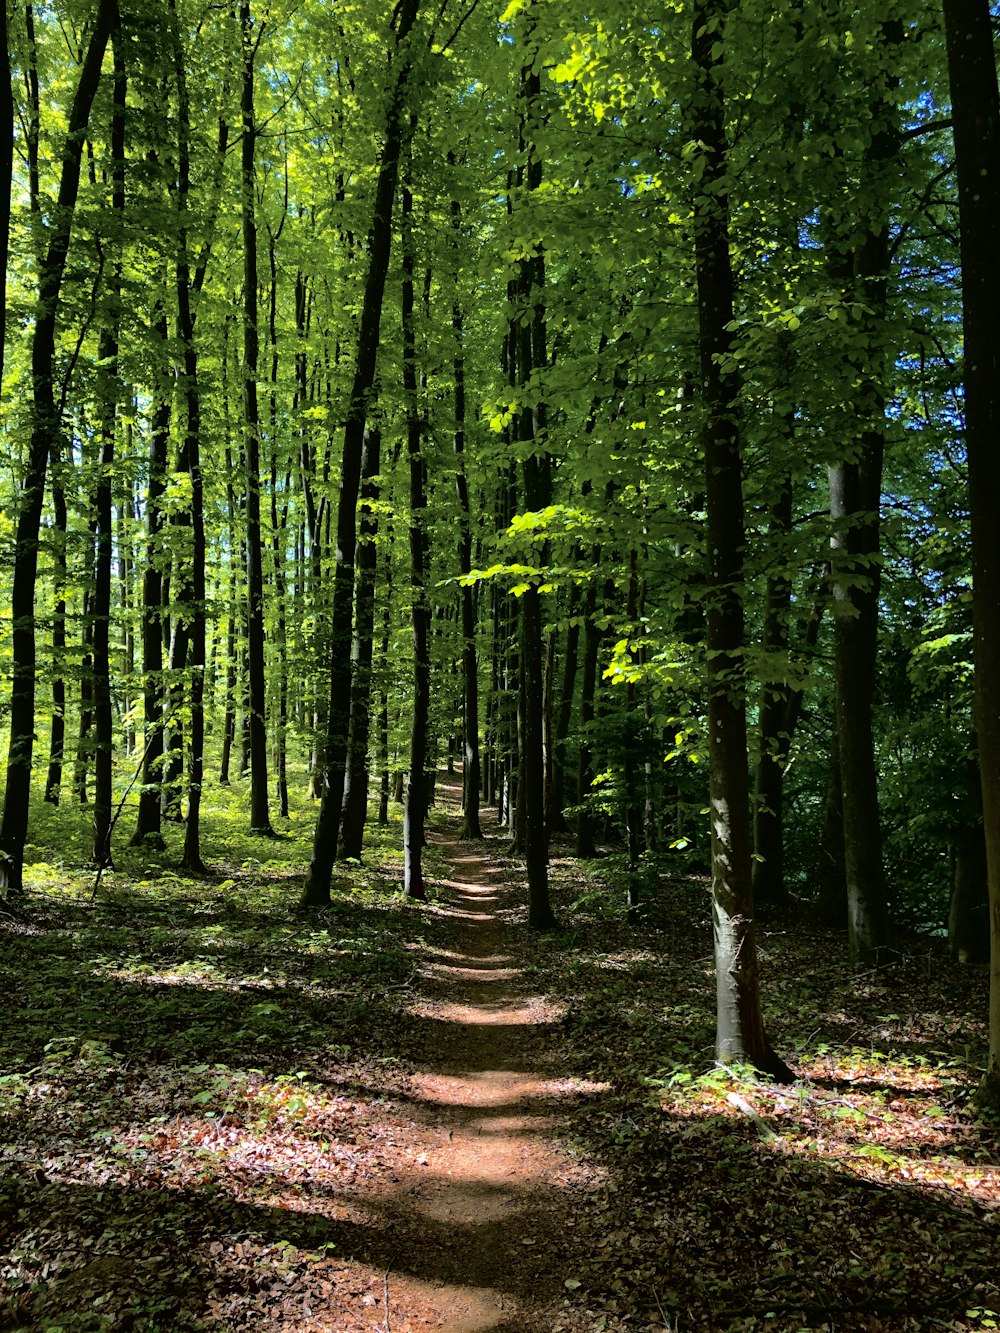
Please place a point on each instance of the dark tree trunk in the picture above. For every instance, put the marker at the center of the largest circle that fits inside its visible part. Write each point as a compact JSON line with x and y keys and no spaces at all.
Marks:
{"x":585,"y":845}
{"x":969,"y":912}
{"x":855,"y":489}
{"x":634,"y":787}
{"x":84,"y":735}
{"x":109,"y":389}
{"x":57,"y":738}
{"x":6,"y":173}
{"x":260,"y":818}
{"x":531,"y":355}
{"x":229,"y":719}
{"x":316,"y":891}
{"x":356,"y":778}
{"x":383,"y":710}
{"x":740,"y":1032}
{"x":177,"y":658}
{"x":831,"y":875}
{"x":415,"y":810}
{"x":188,"y":286}
{"x":855,"y":504}
{"x":768,"y":864}
{"x":564,"y":712}
{"x":471,"y":766}
{"x":279,"y":534}
{"x":976,"y":119}
{"x":45,"y":427}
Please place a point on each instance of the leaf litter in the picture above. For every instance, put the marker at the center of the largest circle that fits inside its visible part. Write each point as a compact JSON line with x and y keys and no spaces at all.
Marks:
{"x":220,"y":1113}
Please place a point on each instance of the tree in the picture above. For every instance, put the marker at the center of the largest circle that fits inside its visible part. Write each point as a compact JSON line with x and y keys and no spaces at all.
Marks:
{"x":740,"y":1028}
{"x":317,"y":885}
{"x":45,"y":430}
{"x":260,"y":818}
{"x":976,"y":119}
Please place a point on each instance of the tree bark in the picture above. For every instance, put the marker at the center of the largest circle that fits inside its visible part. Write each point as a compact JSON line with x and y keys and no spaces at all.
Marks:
{"x":260,"y":818}
{"x":316,"y":891}
{"x":531,"y":353}
{"x":109,"y":389}
{"x":768,"y":830}
{"x":57,"y":737}
{"x":976,"y":121}
{"x":415,"y":810}
{"x":740,"y":1034}
{"x":6,"y":173}
{"x":356,"y":777}
{"x":471,"y":763}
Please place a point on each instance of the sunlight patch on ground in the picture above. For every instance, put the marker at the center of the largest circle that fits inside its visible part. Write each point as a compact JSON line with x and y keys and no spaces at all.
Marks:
{"x":517,"y":1013}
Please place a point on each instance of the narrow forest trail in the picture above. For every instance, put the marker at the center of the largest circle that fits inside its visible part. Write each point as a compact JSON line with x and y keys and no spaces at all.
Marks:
{"x":484,"y":1190}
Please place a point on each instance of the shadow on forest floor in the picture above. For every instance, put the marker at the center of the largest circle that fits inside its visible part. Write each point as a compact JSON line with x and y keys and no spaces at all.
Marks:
{"x":219,"y":1112}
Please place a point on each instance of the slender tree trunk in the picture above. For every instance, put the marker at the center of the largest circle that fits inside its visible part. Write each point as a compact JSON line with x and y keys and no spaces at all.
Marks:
{"x":855,"y":505}
{"x":969,"y":910}
{"x":634,"y":789}
{"x":84,"y":737}
{"x":356,"y":783}
{"x":229,"y":720}
{"x":976,"y":119}
{"x":585,"y":845}
{"x":471,"y":764}
{"x":768,"y":865}
{"x":260,"y":818}
{"x":316,"y":891}
{"x":855,"y":490}
{"x":45,"y":429}
{"x":532,"y":356}
{"x":279,"y":536}
{"x":57,"y":739}
{"x":415,"y":810}
{"x":148,"y":818}
{"x":6,"y":173}
{"x":104,"y":533}
{"x":383,"y":710}
{"x":740,"y":1032}
{"x":564,"y":711}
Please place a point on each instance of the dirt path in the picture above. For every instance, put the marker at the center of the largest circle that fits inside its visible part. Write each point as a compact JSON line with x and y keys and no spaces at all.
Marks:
{"x":484,"y":1191}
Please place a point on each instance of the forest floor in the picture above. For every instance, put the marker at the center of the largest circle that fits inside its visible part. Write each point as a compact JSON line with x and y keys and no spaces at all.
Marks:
{"x":220,"y":1112}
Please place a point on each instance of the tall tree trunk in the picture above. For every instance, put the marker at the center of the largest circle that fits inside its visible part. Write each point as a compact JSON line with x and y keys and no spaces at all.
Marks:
{"x":383,"y":708}
{"x":564,"y":710}
{"x":532,"y":356}
{"x":57,"y":738}
{"x":104,"y":533}
{"x":279,"y":532}
{"x":84,"y":737}
{"x":260,"y":818}
{"x":634,"y":788}
{"x":585,"y":845}
{"x":471,"y":765}
{"x":768,"y":864}
{"x":6,"y":173}
{"x":148,"y":818}
{"x":740,"y":1032}
{"x":415,"y":810}
{"x":316,"y":890}
{"x":855,"y":504}
{"x":356,"y":776}
{"x":976,"y":120}
{"x":45,"y":429}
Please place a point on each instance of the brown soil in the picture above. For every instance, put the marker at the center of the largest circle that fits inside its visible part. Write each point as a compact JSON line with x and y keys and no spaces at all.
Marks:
{"x":478,"y":1205}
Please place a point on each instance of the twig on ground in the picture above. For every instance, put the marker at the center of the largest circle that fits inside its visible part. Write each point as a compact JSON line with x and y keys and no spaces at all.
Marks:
{"x":385,"y":1297}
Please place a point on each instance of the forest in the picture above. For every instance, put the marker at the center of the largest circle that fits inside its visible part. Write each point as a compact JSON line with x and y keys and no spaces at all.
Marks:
{"x":453,"y":446}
